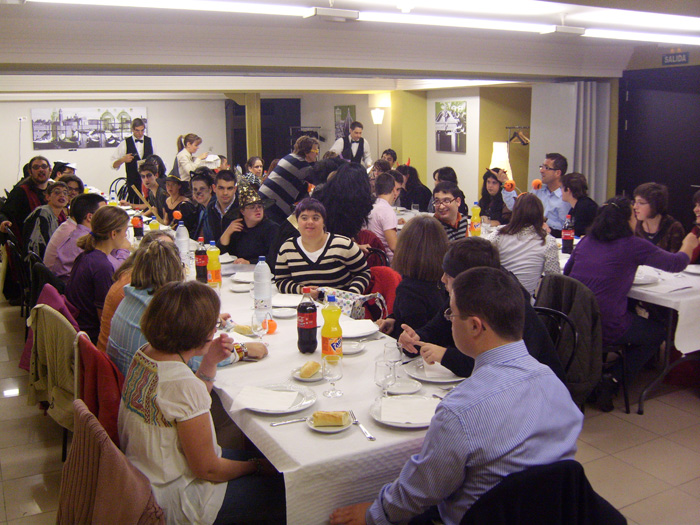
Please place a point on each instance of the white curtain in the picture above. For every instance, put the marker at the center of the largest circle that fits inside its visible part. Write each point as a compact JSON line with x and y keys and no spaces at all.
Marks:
{"x":592,"y":136}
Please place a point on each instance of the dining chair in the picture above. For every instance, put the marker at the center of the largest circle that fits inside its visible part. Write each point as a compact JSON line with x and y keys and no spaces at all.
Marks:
{"x":576,"y":301}
{"x":557,"y":324}
{"x":558,"y":493}
{"x":21,"y":273}
{"x":376,"y":255}
{"x":620,"y":351}
{"x":98,"y":482}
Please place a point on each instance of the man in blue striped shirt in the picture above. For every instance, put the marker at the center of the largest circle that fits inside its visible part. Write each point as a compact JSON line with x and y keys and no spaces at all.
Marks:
{"x":511,"y":414}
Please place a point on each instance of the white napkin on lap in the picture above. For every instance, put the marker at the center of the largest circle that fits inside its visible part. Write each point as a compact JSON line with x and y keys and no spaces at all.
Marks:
{"x":405,"y":409}
{"x":437,"y":371}
{"x":265,"y":399}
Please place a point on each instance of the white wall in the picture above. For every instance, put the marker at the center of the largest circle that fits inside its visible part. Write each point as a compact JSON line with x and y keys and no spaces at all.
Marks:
{"x":166,"y":120}
{"x":317,"y":110}
{"x":466,"y":165}
{"x":552,"y":124}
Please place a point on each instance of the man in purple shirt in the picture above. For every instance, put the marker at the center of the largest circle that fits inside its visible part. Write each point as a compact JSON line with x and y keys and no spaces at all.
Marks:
{"x":62,"y":249}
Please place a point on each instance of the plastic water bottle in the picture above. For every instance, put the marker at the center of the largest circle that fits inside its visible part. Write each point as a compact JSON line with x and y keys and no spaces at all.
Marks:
{"x":262,"y":289}
{"x":113,"y":198}
{"x":182,"y":241}
{"x":567,"y":236}
{"x":214,"y":267}
{"x":475,"y":225}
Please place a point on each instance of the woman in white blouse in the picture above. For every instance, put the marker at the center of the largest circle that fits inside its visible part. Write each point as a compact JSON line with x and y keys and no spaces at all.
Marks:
{"x":166,"y":430}
{"x":187,"y":146}
{"x":524,"y":246}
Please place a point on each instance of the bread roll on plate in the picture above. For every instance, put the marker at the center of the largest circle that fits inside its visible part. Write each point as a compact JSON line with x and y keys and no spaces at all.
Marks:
{"x":338,"y":418}
{"x":309,"y":369}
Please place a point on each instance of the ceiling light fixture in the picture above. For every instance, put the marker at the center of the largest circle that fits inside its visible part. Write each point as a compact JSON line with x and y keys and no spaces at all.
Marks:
{"x":446,"y":21}
{"x":331,"y":14}
{"x":643,"y":37}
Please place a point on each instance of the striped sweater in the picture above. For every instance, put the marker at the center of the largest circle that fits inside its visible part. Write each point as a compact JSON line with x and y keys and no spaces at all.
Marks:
{"x":341,"y":265}
{"x":284,"y":186}
{"x":458,"y":230}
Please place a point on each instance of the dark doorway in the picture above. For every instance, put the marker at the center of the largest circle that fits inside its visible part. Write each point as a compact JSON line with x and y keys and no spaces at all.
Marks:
{"x":278,"y":115}
{"x":659,"y":138}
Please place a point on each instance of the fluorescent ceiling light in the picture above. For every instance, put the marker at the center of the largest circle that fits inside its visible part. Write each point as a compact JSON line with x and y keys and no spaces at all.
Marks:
{"x":643,"y":37}
{"x":448,"y":21}
{"x":498,"y":7}
{"x":194,"y":5}
{"x":618,"y":17}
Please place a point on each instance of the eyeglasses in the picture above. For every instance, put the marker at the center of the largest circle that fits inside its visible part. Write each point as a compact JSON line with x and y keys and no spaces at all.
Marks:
{"x":61,"y":193}
{"x":444,"y":202}
{"x":449,"y":315}
{"x":547,"y":168}
{"x":40,"y":167}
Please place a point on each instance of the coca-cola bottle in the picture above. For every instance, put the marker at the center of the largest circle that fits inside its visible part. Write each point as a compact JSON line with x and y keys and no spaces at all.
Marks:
{"x":200,"y":261}
{"x":567,"y":236}
{"x":307,"y":323}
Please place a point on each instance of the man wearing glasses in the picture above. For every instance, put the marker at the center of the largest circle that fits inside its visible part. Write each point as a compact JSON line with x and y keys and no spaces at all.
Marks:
{"x":510,"y":414}
{"x":555,"y":209}
{"x":25,"y":197}
{"x":447,"y":199}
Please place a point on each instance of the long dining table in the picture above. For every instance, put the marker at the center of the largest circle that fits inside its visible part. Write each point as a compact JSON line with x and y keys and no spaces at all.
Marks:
{"x":321,"y":471}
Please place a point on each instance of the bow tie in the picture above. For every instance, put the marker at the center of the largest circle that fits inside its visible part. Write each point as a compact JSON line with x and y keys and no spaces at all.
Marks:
{"x":138,"y":140}
{"x":354,"y":141}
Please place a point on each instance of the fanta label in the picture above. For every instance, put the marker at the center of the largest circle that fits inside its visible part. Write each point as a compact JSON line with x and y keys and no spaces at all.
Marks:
{"x":214,"y":277}
{"x":332,"y":345}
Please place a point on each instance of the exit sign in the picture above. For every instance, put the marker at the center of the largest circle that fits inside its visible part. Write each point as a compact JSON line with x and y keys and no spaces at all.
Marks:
{"x":673,"y":59}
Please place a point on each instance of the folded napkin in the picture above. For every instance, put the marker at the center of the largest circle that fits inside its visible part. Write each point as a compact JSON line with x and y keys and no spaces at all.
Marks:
{"x":264,"y":399}
{"x":244,"y":277}
{"x":408,"y":409}
{"x":286,"y":300}
{"x":357,"y":328}
{"x":437,"y":371}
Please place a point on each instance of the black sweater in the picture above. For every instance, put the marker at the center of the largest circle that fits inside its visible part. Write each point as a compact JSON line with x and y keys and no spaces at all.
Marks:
{"x":439,"y":331}
{"x":416,"y":303}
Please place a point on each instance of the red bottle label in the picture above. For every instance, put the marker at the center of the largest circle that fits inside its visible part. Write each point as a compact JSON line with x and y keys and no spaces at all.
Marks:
{"x":201,"y":260}
{"x":567,"y":235}
{"x":306,"y":320}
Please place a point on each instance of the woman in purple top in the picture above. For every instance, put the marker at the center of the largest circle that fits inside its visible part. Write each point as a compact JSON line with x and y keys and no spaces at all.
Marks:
{"x":606,"y":261}
{"x":91,"y":276}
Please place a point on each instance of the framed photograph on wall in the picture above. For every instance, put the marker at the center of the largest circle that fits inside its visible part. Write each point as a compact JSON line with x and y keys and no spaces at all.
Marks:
{"x":451,"y":126}
{"x":77,"y":128}
{"x":343,"y":117}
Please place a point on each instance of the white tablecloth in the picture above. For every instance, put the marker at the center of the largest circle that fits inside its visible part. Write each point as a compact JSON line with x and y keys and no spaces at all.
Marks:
{"x":321,"y":471}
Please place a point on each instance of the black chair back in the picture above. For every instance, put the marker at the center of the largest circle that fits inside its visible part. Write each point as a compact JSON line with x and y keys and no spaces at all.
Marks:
{"x":20,"y":272}
{"x":376,"y":257}
{"x":556,"y":323}
{"x":555,"y":494}
{"x":41,"y":276}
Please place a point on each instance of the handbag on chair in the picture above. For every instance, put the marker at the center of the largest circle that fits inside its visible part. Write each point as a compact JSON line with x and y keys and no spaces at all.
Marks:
{"x":353,"y":304}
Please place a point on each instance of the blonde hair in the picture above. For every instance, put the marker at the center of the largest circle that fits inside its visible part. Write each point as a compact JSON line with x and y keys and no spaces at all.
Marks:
{"x":183,"y":140}
{"x":104,"y":221}
{"x":148,"y":238}
{"x":157,"y":264}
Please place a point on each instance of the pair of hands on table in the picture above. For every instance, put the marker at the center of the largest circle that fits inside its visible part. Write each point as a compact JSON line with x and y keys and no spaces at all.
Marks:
{"x":410,"y":341}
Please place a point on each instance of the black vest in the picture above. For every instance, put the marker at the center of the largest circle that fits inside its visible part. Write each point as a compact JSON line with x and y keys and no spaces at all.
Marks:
{"x":132,"y":171}
{"x":347,"y":150}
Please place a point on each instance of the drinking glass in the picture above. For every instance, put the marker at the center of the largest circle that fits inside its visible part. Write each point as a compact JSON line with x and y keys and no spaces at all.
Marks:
{"x":415,"y":207}
{"x":258,"y":324}
{"x":332,"y":372}
{"x":392,"y":352}
{"x":384,"y":375}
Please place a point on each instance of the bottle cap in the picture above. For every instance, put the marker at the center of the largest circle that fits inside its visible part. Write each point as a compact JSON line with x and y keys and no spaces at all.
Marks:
{"x":182,"y":223}
{"x":331,"y":298}
{"x":212,"y":243}
{"x":200,"y":239}
{"x":261,"y":258}
{"x":568,"y":216}
{"x":305,"y":289}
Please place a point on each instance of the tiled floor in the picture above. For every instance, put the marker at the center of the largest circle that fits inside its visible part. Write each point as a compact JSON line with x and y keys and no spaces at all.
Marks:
{"x":647,"y":466}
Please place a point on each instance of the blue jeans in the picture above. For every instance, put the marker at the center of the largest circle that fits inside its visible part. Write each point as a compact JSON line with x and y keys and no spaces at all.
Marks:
{"x":645,"y":336}
{"x":252,"y":498}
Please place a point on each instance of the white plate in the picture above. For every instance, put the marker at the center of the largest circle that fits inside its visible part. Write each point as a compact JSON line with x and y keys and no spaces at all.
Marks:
{"x":240,"y":287}
{"x":305,"y":398}
{"x":326,"y":430}
{"x":353,"y":348}
{"x":227,"y":258}
{"x":416,"y":371}
{"x":357,"y":328}
{"x":693,"y":269}
{"x":316,"y":377}
{"x":404,"y":386}
{"x":284,"y":313}
{"x":243,"y":277}
{"x":376,"y":412}
{"x":286,"y":300}
{"x":645,"y":278}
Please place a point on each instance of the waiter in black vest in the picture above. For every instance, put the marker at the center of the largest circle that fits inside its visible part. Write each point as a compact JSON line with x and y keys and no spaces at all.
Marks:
{"x":353,"y":147}
{"x":131,"y":150}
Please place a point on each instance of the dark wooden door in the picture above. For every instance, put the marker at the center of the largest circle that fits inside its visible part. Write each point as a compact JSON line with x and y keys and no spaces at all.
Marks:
{"x":659,"y":137}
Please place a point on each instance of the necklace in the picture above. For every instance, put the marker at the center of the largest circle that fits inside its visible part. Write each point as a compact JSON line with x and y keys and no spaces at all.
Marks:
{"x":182,"y":358}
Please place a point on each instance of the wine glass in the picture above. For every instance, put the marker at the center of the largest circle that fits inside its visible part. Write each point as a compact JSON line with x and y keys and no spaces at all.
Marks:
{"x":259,"y":324}
{"x":384,"y":375}
{"x":332,"y":372}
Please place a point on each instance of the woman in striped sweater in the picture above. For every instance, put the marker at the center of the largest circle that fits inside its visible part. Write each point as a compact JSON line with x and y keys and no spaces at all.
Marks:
{"x":318,"y":258}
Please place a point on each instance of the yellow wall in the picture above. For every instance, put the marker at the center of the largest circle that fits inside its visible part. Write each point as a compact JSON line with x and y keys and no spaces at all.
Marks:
{"x":409,"y":114}
{"x":501,"y":107}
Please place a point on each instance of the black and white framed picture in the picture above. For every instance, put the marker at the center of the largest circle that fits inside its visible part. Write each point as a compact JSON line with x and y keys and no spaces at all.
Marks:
{"x":74,"y":128}
{"x":451,"y":126}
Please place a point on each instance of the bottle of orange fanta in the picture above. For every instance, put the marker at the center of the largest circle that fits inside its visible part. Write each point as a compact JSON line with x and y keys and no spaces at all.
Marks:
{"x":331,"y":333}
